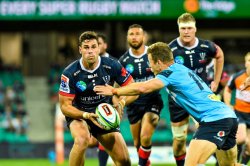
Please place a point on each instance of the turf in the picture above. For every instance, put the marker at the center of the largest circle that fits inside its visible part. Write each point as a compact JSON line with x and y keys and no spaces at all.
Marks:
{"x":44,"y":162}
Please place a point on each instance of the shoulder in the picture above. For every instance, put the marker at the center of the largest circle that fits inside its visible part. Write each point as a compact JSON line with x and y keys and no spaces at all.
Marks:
{"x":206,"y":43}
{"x":173,"y":43}
{"x":124,"y":56}
{"x":72,"y":67}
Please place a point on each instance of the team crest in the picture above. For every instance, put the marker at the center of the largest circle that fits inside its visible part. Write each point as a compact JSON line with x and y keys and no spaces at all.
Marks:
{"x":221,"y":134}
{"x":64,"y":86}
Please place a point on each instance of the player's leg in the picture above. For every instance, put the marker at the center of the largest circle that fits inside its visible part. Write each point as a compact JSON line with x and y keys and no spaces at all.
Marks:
{"x":102,"y":155}
{"x":246,"y":151}
{"x":81,"y":135}
{"x":199,"y":151}
{"x":135,"y":129}
{"x":179,"y":131}
{"x":149,"y":123}
{"x":179,"y":125}
{"x":227,"y":157}
{"x":116,"y":147}
{"x":241,"y":139}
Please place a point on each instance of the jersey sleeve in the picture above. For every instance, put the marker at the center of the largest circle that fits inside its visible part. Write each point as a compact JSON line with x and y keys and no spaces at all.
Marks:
{"x":67,"y":85}
{"x":163,"y":76}
{"x":122,"y":76}
{"x":231,"y":83}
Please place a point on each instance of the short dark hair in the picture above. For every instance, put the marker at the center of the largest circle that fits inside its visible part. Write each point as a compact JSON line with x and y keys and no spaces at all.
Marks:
{"x":160,"y":51}
{"x":87,"y":36}
{"x":135,"y":26}
{"x":103,"y":36}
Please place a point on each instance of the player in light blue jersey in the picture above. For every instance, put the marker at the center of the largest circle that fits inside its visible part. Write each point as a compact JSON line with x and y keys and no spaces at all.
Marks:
{"x":217,"y":122}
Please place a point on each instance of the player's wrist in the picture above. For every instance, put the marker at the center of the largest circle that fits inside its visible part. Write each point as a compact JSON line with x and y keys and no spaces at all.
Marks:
{"x":114,"y":91}
{"x":85,"y":115}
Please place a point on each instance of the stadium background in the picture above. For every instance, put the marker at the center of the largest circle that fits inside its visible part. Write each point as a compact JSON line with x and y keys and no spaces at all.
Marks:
{"x":39,"y":38}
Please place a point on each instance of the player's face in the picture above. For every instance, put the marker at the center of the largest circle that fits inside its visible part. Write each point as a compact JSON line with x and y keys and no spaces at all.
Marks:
{"x":102,"y":46}
{"x":187,"y":34}
{"x":154,"y":66}
{"x":135,"y":37}
{"x":247,"y":63}
{"x":89,"y":51}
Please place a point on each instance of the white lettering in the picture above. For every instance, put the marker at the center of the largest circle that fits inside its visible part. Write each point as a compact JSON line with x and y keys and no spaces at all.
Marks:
{"x":140,"y":7}
{"x":57,"y":7}
{"x":224,"y":6}
{"x":97,"y":8}
{"x":17,"y":8}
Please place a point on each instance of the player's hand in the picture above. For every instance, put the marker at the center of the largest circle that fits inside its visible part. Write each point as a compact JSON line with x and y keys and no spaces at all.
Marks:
{"x":93,"y":117}
{"x":214,"y":86}
{"x":246,"y":84}
{"x":105,"y":90}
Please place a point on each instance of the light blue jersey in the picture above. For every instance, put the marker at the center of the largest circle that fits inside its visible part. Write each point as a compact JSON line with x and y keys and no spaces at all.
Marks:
{"x":190,"y":92}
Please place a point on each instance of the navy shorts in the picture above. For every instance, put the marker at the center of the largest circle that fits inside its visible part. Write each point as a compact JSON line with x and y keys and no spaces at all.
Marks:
{"x":177,"y":113}
{"x":94,"y":130}
{"x":221,"y":132}
{"x":243,"y":118}
{"x":136,"y":112}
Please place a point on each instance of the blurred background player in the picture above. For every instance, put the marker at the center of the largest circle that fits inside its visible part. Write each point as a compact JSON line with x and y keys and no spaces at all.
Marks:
{"x":78,"y":101}
{"x":241,"y":108}
{"x":143,"y":114}
{"x":193,"y":53}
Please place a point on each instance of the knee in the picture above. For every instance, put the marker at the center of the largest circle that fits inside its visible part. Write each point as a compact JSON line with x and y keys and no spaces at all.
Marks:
{"x":180,"y":133}
{"x":81,"y":142}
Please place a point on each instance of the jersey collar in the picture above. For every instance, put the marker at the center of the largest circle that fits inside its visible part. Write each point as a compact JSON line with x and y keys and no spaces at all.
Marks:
{"x":90,"y":71}
{"x":189,"y":48}
{"x":136,"y":56}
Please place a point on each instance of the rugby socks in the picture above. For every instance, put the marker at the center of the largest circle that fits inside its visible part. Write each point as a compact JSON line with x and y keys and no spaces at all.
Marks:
{"x":180,"y":160}
{"x":245,"y":158}
{"x":102,"y":156}
{"x":144,"y":153}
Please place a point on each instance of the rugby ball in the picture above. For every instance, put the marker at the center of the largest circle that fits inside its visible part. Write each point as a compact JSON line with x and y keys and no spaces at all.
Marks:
{"x":108,"y":116}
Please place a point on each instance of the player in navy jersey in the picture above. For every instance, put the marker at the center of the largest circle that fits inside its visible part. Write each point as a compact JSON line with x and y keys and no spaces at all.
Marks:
{"x":217,"y":122}
{"x":78,"y":101}
{"x":143,"y":114}
{"x":194,"y":53}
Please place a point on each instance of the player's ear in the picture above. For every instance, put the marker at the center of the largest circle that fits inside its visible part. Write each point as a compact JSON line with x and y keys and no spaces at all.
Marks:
{"x":80,"y":50}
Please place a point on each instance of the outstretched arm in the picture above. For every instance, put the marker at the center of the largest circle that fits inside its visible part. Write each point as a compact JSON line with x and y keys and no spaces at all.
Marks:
{"x":131,"y":89}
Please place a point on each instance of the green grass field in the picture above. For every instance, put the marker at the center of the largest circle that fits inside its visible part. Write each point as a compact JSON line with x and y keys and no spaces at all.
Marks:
{"x":44,"y":162}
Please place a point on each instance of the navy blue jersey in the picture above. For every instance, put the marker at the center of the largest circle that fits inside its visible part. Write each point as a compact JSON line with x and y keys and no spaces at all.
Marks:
{"x":138,"y":67}
{"x":78,"y":82}
{"x":196,"y":57}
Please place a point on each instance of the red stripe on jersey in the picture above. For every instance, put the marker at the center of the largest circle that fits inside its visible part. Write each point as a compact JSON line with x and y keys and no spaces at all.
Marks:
{"x":130,"y":78}
{"x":66,"y":94}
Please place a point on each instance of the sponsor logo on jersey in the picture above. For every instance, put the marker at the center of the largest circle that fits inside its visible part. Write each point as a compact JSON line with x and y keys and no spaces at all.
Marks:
{"x":105,"y":66}
{"x":214,"y":97}
{"x":130,"y":68}
{"x":203,"y":45}
{"x":221,"y":134}
{"x":64,"y":86}
{"x":174,"y":48}
{"x":189,"y":52}
{"x":77,"y":72}
{"x":139,"y":60}
{"x":90,"y":99}
{"x":179,"y":59}
{"x":81,"y":85}
{"x":92,"y":76}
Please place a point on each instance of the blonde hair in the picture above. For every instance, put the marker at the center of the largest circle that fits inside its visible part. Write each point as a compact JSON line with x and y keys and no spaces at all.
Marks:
{"x":185,"y":17}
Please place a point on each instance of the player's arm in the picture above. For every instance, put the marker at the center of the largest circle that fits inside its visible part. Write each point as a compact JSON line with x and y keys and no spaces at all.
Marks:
{"x":70,"y":111}
{"x":227,"y":95}
{"x":218,"y":68}
{"x":131,"y":89}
